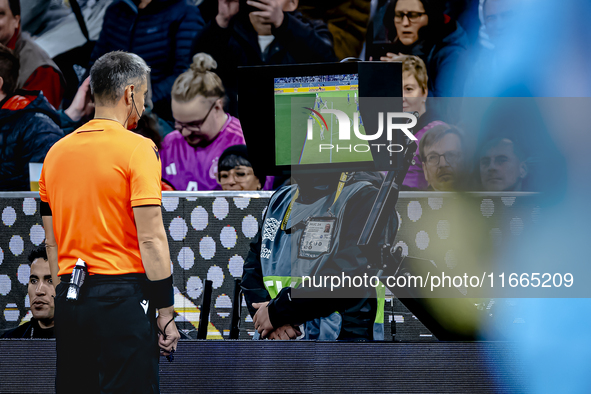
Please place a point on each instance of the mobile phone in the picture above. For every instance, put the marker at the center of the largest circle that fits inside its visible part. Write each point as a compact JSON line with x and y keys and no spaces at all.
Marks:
{"x":379,"y":49}
{"x":247,"y":9}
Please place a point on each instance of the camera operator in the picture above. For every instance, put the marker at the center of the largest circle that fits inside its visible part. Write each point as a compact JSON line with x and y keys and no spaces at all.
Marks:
{"x":101,"y":195}
{"x":273,"y":262}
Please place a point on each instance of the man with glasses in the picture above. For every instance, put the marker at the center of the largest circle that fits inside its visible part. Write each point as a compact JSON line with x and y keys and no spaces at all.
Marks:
{"x":442,"y":157}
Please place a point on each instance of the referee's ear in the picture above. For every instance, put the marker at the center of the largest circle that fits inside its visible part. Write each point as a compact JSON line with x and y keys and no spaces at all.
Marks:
{"x":128,"y":94}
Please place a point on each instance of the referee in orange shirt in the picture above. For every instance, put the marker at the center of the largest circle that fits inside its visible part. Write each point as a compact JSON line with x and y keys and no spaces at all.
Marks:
{"x":100,"y":202}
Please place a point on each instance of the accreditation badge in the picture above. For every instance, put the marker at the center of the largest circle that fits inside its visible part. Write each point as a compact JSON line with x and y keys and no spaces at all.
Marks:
{"x":317,"y":237}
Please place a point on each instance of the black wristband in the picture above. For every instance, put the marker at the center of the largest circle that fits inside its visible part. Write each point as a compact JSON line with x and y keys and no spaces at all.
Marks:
{"x":161,"y":293}
{"x":44,"y":209}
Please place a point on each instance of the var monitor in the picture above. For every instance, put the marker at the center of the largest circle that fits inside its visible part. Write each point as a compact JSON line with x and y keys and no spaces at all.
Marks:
{"x":322,"y":117}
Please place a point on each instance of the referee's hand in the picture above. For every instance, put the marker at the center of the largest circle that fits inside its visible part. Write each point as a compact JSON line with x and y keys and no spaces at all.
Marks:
{"x":169,"y":334}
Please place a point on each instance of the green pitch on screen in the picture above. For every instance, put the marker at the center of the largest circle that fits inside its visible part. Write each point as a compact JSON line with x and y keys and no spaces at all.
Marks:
{"x":291,"y":124}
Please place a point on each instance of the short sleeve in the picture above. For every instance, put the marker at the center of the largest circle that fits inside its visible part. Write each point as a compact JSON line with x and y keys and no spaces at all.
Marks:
{"x":145,"y":174}
{"x":42,"y":186}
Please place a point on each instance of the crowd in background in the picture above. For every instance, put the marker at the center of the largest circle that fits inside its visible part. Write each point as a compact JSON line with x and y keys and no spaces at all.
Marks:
{"x":194,"y":48}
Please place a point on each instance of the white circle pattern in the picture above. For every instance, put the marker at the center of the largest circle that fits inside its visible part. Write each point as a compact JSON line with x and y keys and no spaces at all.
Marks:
{"x":11,"y":313}
{"x":414,"y":210}
{"x":8,"y":216}
{"x":443,"y":229}
{"x":178,"y":229}
{"x":199,"y":219}
{"x":241,"y":202}
{"x":487,"y":207}
{"x":216,"y":275}
{"x":16,"y":245}
{"x":236,"y":266}
{"x":422,"y":240}
{"x":250,"y":226}
{"x":186,"y":258}
{"x":29,"y":206}
{"x":170,"y":203}
{"x":207,"y":248}
{"x":5,"y":285}
{"x":23,"y":273}
{"x":228,"y":237}
{"x":194,"y":287}
{"x":220,"y":208}
{"x":223,"y":302}
{"x":37,"y":234}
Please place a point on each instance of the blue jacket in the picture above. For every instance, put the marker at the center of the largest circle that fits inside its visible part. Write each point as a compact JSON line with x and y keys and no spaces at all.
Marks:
{"x":25,"y":136}
{"x":446,"y":65}
{"x":161,"y":34}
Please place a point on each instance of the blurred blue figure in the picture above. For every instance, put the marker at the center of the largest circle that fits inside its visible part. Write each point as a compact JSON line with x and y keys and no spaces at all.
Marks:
{"x":546,"y":53}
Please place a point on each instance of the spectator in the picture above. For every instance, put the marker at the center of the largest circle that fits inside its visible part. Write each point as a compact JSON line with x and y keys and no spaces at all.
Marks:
{"x":236,"y":173}
{"x":497,"y":22}
{"x":503,"y":166}
{"x":80,"y":110}
{"x":190,"y":154}
{"x":419,"y":27}
{"x":347,"y":22}
{"x":498,"y":17}
{"x":37,"y":70}
{"x":414,"y":99}
{"x":269,"y":32}
{"x":28,"y":126}
{"x":41,"y":297}
{"x":520,"y":120}
{"x":160,"y":32}
{"x":441,"y":151}
{"x":148,"y":127}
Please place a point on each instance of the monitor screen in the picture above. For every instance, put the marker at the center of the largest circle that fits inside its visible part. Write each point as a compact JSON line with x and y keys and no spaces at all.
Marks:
{"x":304,"y":132}
{"x":306,"y":117}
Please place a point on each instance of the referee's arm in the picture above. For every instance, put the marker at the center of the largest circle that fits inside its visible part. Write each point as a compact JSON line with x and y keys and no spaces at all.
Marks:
{"x":50,"y":245}
{"x":152,"y":241}
{"x":156,"y":259}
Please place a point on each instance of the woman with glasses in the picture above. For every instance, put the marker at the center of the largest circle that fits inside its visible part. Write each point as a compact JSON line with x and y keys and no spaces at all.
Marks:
{"x":235,"y":171}
{"x":203,"y":130}
{"x":420,"y":28}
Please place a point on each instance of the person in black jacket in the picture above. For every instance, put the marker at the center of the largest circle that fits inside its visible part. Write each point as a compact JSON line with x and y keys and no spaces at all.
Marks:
{"x":41,"y":298}
{"x":160,"y":32}
{"x":29,"y":126}
{"x":269,"y":32}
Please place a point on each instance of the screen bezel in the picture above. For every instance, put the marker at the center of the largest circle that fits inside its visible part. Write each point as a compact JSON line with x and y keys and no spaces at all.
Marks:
{"x":257,"y":84}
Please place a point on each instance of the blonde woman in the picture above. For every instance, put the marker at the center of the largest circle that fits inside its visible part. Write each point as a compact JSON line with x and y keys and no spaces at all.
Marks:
{"x":203,"y":130}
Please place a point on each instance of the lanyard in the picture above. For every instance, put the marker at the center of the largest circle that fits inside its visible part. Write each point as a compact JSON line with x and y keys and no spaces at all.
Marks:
{"x":342,"y":181}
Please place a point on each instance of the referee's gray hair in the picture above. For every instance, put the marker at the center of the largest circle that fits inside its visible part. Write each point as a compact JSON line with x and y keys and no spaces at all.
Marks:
{"x":112,"y":72}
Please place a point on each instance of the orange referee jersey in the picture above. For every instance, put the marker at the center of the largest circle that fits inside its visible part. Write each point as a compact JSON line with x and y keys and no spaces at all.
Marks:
{"x":92,"y":179}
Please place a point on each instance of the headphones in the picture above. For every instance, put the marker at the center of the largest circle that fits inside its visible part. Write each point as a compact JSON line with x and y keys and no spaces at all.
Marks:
{"x":134,"y":107}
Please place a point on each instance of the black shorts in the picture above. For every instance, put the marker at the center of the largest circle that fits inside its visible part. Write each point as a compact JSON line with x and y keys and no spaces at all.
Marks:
{"x":107,"y":341}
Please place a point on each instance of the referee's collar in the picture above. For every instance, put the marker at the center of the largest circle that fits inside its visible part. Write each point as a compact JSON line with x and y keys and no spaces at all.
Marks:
{"x":99,"y":124}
